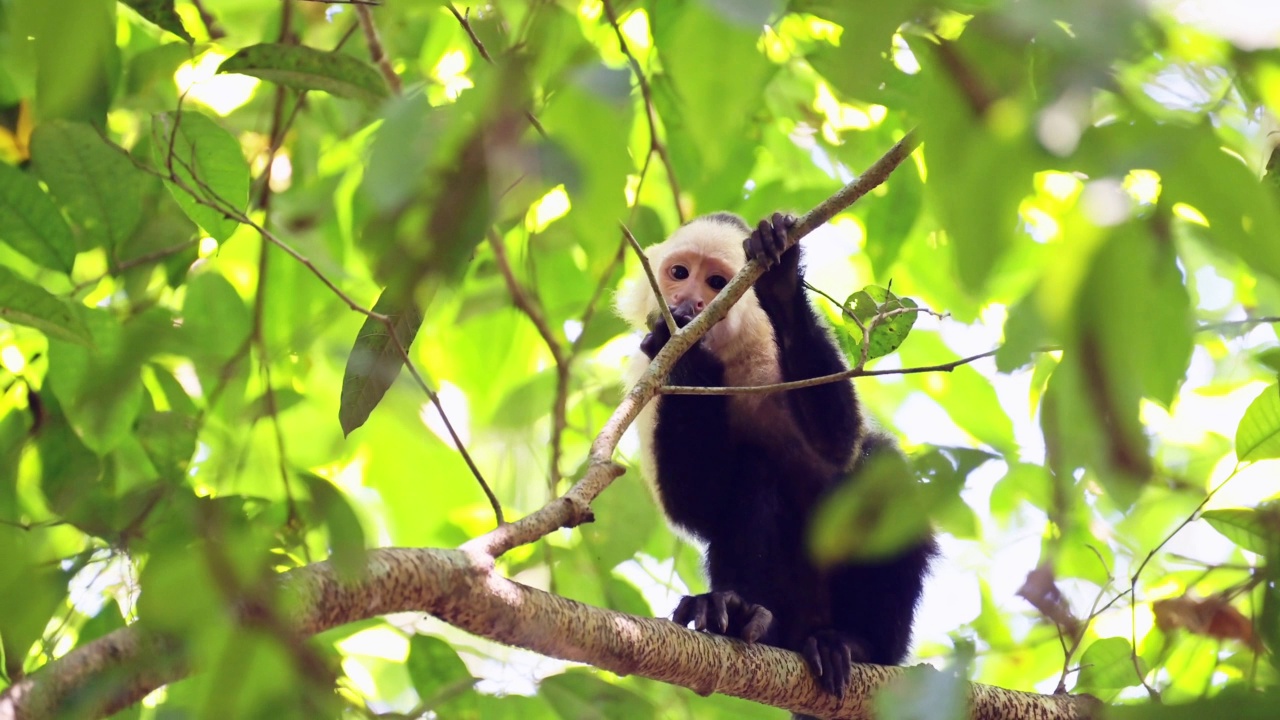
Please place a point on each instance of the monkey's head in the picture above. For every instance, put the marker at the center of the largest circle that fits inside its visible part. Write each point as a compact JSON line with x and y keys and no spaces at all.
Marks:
{"x":691,"y":267}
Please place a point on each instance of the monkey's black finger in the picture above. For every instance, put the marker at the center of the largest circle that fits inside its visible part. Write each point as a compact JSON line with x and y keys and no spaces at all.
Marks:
{"x":684,"y":611}
{"x":700,"y":616}
{"x":720,"y":613}
{"x":813,"y":657}
{"x":841,"y":665}
{"x":779,"y":231}
{"x":757,"y":625}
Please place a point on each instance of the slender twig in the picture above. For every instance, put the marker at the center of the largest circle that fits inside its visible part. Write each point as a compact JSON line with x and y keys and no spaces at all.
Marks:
{"x":656,"y":146}
{"x":1231,"y":324}
{"x":653,"y":280}
{"x":464,"y":19}
{"x":822,"y":380}
{"x":378,"y":55}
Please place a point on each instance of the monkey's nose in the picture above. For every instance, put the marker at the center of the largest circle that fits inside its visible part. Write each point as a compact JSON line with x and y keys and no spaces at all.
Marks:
{"x":685,"y":310}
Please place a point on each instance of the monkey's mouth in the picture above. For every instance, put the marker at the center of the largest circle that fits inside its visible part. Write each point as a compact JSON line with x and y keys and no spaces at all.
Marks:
{"x":684,"y":312}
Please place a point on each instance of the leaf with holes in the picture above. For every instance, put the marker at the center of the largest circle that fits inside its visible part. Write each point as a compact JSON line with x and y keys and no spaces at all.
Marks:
{"x":892,"y":316}
{"x":304,"y":68}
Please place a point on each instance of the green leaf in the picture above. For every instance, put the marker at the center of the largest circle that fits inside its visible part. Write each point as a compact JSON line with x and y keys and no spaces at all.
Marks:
{"x":437,"y":673}
{"x":346,"y":536}
{"x":101,"y":388}
{"x":889,"y":219}
{"x":216,"y":324}
{"x":212,"y":177}
{"x":90,"y":177}
{"x":890,"y":330}
{"x":710,"y":115}
{"x":161,"y":13}
{"x":1269,"y":358}
{"x":577,"y":694}
{"x":1258,"y":435}
{"x":78,"y":62}
{"x":375,"y":360}
{"x":25,"y":303}
{"x":1107,"y":665}
{"x":30,"y":222}
{"x":924,"y":691}
{"x":967,"y":396}
{"x":169,"y":439}
{"x":883,"y":510}
{"x":1254,"y":530}
{"x":305,"y":68}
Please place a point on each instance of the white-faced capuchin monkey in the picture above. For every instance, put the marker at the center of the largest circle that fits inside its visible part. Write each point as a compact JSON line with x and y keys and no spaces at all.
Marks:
{"x":744,"y":473}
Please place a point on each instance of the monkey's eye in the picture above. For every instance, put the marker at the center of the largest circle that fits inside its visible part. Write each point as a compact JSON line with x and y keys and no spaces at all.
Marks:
{"x":717,"y":282}
{"x":679,"y":272}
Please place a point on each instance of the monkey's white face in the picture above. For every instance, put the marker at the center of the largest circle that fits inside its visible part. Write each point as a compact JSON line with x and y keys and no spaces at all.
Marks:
{"x":690,"y":280}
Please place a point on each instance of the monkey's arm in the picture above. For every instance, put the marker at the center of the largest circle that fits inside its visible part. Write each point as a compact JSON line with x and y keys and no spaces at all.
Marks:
{"x":691,"y":436}
{"x":826,"y":414}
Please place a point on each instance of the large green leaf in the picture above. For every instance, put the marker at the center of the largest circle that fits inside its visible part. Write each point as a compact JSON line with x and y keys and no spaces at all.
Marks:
{"x":375,"y":360}
{"x":305,"y":68}
{"x":92,"y":178}
{"x":30,"y":222}
{"x":1107,"y":665}
{"x":210,"y":175}
{"x":25,"y":303}
{"x":1258,"y":435}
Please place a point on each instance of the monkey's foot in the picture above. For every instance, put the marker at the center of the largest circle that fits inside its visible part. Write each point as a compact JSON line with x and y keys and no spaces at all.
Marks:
{"x":724,"y":613}
{"x":830,"y":655}
{"x":769,"y":240}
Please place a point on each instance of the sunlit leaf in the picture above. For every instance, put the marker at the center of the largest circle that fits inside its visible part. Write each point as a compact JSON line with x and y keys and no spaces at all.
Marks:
{"x":90,"y":177}
{"x":305,"y":68}
{"x":211,"y":177}
{"x":26,"y":303}
{"x":1254,"y":530}
{"x":1107,"y":664}
{"x":895,"y":319}
{"x":1258,"y":436}
{"x":161,"y":13}
{"x":30,"y":222}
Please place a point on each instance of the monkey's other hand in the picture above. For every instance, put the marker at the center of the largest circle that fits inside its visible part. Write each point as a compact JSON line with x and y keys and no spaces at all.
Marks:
{"x":724,"y":613}
{"x":830,"y":655}
{"x":768,"y":245}
{"x":659,"y":333}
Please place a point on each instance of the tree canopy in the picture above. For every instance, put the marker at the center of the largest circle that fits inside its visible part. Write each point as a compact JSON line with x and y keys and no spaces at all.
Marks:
{"x":285,"y":282}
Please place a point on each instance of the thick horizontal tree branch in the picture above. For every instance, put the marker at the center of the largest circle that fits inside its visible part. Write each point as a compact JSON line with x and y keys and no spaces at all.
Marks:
{"x":467,"y":591}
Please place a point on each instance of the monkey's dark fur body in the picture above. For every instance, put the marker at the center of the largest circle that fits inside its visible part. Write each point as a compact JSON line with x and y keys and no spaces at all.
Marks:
{"x":748,"y":488}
